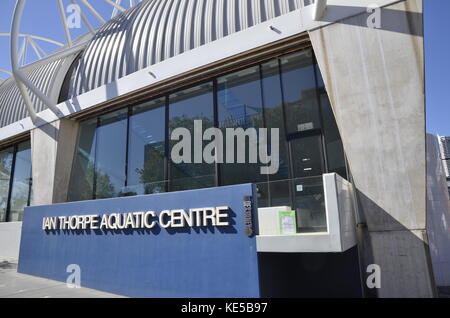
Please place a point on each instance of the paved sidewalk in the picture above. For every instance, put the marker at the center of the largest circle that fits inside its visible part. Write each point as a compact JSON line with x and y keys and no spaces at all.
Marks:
{"x":15,"y":285}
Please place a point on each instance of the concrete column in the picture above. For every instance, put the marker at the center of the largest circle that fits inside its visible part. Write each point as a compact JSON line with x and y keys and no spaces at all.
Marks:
{"x":375,"y":81}
{"x":53,"y":147}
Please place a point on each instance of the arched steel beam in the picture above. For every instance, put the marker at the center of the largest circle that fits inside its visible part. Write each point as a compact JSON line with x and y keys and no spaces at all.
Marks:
{"x":34,"y":37}
{"x":22,"y":81}
{"x":2,"y":70}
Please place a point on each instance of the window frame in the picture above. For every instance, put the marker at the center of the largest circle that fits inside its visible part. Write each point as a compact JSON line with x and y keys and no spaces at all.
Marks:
{"x":213,"y":78}
{"x":15,"y":149}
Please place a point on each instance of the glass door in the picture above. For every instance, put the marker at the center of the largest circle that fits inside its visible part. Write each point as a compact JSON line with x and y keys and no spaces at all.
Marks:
{"x":308,"y":166}
{"x":307,"y":156}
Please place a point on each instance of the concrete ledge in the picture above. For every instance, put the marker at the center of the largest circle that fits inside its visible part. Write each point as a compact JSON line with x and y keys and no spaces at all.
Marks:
{"x":301,"y":243}
{"x":340,"y":236}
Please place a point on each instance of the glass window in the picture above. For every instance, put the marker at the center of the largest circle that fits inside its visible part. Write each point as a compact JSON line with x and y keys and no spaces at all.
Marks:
{"x":82,"y":180}
{"x":309,"y":204}
{"x":240,"y":106}
{"x":6,"y":159}
{"x":333,"y":142}
{"x":186,"y":107}
{"x":147,"y":148}
{"x":274,"y":115}
{"x":300,"y":94}
{"x":110,"y":173}
{"x":128,"y":152}
{"x":307,"y":156}
{"x":21,"y":186}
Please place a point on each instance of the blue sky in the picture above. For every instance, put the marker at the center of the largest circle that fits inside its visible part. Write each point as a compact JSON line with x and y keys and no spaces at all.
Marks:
{"x":41,"y":17}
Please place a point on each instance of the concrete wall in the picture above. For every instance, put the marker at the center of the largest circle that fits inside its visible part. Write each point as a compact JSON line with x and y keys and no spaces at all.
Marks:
{"x":375,"y":81}
{"x":53,"y":147}
{"x":438,"y":214}
{"x":10,"y":241}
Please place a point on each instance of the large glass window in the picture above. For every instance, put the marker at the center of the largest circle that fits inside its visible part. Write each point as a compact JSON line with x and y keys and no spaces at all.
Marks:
{"x":21,"y":185}
{"x":147,"y":148}
{"x":240,"y":106}
{"x":274,"y":114}
{"x":333,"y":141}
{"x":110,"y":170}
{"x":6,"y":160}
{"x":82,"y":180}
{"x":15,"y":181}
{"x":130,"y":152}
{"x":187,"y":107}
{"x":300,"y":92}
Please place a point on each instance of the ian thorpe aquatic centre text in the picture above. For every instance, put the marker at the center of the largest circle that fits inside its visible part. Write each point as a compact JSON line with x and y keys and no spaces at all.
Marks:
{"x":204,"y":217}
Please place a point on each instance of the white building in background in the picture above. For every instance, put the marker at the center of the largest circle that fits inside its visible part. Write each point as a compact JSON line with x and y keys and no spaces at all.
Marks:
{"x":444,"y":147}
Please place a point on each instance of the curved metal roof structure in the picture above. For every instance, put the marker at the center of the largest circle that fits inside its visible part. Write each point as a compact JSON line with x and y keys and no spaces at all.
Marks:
{"x":48,"y":77}
{"x":150,"y":32}
{"x":156,"y":30}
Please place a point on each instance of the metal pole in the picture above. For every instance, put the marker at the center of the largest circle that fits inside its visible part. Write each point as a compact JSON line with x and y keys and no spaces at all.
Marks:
{"x":21,"y":80}
{"x":62,"y":15}
{"x":93,"y":11}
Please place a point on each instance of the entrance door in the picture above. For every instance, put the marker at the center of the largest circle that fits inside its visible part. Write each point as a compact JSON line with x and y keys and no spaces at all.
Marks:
{"x":308,"y":166}
{"x":307,"y":157}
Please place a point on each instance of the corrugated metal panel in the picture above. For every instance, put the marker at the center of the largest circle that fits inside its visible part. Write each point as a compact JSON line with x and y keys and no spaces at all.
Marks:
{"x":46,"y":76}
{"x":156,"y":30}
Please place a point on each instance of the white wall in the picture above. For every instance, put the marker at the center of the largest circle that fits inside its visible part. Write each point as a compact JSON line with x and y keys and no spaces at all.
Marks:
{"x":10,"y":241}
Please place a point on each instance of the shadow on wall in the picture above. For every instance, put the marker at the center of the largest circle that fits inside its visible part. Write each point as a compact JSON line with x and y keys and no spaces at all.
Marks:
{"x":50,"y":130}
{"x":310,"y":275}
{"x":403,"y":255}
{"x":399,"y":21}
{"x":403,"y":258}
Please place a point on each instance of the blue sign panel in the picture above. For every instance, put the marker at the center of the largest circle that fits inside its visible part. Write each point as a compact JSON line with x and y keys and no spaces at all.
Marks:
{"x":185,"y":244}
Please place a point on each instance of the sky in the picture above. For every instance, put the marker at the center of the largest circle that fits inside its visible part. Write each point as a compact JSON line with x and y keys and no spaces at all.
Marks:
{"x":41,"y":17}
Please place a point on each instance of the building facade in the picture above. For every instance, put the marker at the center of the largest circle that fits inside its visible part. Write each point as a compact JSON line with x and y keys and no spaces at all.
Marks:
{"x":339,"y":88}
{"x":444,"y":147}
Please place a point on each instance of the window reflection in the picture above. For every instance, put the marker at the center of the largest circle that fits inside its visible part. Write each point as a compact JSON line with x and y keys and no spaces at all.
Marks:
{"x":185,"y":107}
{"x":82,"y":180}
{"x":21,"y":186}
{"x":273,"y":109}
{"x":240,"y":106}
{"x":110,"y":163}
{"x":286,"y":93}
{"x":6,"y":160}
{"x":333,"y":141}
{"x":147,"y":149}
{"x":300,"y":94}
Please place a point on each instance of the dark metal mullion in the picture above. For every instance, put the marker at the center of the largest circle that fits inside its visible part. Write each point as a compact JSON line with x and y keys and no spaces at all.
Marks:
{"x":11,"y":183}
{"x":263,"y":104}
{"x":30,"y":186}
{"x":288,"y":144}
{"x":324,"y":148}
{"x":216,"y":125}
{"x":94,"y":183}
{"x":127,"y":147}
{"x":167,"y":145}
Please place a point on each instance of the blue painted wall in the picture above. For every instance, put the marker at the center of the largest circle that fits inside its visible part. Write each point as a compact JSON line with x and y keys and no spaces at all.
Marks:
{"x":194,"y":263}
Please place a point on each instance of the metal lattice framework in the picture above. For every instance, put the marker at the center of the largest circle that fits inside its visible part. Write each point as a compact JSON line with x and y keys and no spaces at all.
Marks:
{"x":19,"y":55}
{"x":31,"y":42}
